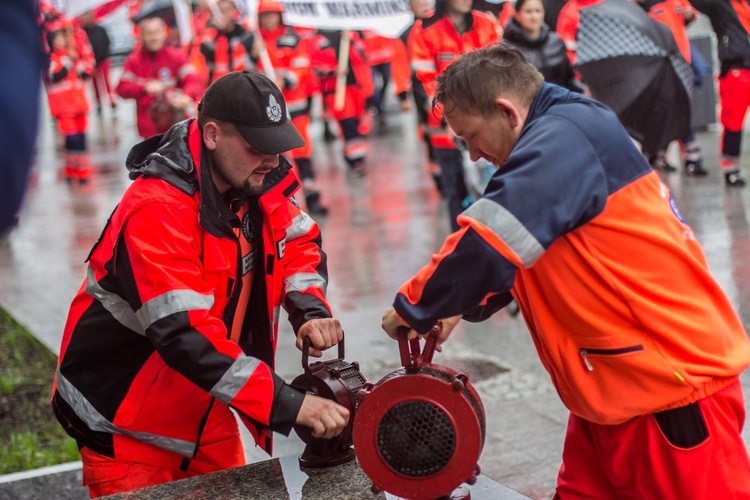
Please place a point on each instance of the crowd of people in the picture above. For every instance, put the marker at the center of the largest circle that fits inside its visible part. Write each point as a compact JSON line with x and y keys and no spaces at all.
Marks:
{"x":166,"y":78}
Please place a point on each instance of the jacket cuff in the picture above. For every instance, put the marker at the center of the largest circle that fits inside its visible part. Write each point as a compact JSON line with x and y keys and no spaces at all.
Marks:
{"x":287,"y":402}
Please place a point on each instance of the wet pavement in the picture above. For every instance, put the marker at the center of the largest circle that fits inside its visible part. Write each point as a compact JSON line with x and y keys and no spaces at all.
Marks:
{"x":381,"y":229}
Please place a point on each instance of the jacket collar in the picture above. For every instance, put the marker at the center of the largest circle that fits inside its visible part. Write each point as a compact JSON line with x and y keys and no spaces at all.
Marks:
{"x":547,"y":97}
{"x":179,"y":158}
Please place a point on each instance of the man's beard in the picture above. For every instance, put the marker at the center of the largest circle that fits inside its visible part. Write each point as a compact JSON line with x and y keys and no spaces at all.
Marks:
{"x":251,"y":190}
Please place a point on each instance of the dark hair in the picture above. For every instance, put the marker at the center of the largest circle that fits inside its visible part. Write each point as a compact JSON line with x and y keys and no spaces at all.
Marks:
{"x":477,"y":79}
{"x":51,"y":38}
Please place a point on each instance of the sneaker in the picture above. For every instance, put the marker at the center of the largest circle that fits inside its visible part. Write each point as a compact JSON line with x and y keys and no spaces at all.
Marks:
{"x":313,"y":204}
{"x":695,"y":167}
{"x":734,"y":178}
{"x":659,"y":162}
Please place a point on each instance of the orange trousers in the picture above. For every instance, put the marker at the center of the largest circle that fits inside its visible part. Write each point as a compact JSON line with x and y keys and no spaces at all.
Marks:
{"x":107,"y":476}
{"x":692,"y":452}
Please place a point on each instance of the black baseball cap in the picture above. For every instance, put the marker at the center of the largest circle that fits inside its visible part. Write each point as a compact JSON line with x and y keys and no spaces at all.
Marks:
{"x":256,"y":107}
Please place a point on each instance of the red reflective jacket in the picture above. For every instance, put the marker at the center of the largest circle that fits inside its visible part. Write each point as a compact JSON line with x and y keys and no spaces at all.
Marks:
{"x":171,"y":67}
{"x":145,"y":353}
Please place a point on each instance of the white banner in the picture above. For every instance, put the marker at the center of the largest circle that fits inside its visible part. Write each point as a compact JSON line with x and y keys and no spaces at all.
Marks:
{"x":385,"y":17}
{"x":77,"y":7}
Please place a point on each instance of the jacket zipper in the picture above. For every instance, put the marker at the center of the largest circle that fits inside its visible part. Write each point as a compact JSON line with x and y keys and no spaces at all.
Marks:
{"x":605,"y":352}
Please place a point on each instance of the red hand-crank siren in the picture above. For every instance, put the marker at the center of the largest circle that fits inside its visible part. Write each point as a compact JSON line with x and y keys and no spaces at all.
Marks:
{"x":419,"y":430}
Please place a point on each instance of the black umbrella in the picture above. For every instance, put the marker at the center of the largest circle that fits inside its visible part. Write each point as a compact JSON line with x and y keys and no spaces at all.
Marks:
{"x":633,"y":65}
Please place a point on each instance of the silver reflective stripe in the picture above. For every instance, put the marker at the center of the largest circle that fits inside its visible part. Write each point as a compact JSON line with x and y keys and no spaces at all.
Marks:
{"x":293,"y":107}
{"x":116,"y":305}
{"x":235,"y":378}
{"x":508,"y":228}
{"x":172,"y":302}
{"x":302,"y":281}
{"x":301,"y":225}
{"x":423,"y":65}
{"x":186,"y":69}
{"x":96,"y":421}
{"x":276,"y":314}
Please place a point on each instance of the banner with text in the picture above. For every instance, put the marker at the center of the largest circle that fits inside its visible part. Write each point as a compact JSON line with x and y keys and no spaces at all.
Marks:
{"x":385,"y":17}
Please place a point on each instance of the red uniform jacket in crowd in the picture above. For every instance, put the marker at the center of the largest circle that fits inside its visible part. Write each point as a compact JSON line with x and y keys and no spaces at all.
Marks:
{"x":171,"y":67}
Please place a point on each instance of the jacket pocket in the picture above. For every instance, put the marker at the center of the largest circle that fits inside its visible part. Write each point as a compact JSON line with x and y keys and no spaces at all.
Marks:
{"x":683,"y":427}
{"x":587,"y":352}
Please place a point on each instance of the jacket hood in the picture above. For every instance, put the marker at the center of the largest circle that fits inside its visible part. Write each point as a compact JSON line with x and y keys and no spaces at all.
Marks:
{"x":165,"y":157}
{"x":168,"y":157}
{"x":514,"y":34}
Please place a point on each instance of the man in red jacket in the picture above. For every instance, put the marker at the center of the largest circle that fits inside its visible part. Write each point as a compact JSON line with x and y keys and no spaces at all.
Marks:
{"x":177,"y":319}
{"x":160,"y":79}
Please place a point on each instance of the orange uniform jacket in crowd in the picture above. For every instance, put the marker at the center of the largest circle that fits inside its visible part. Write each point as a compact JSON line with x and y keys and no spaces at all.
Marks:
{"x":359,"y":84}
{"x":66,"y":88}
{"x":145,"y":355}
{"x":433,"y":45}
{"x":612,"y":284}
{"x":219,"y":53}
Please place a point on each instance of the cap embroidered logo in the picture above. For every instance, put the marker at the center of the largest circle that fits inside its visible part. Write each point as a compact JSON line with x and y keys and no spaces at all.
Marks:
{"x":273,"y":110}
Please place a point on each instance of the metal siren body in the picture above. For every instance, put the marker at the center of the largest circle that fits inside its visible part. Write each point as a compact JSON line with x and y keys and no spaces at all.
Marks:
{"x":339,"y":381}
{"x":419,"y":431}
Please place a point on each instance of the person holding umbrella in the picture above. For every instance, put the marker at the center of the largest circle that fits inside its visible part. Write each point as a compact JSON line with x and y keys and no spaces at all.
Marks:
{"x":633,"y":65}
{"x":641,"y":343}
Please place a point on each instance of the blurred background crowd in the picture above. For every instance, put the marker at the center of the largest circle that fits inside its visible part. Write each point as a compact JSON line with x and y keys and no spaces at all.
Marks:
{"x":633,"y":56}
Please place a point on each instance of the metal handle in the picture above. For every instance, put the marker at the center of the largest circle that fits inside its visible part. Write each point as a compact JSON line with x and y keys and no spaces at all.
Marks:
{"x":409,"y":349}
{"x":306,"y":355}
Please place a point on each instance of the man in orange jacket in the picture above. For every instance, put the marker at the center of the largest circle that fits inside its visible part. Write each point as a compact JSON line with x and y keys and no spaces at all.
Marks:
{"x":227,"y":46}
{"x":289,"y":54}
{"x":641,"y":343}
{"x":434,"y":43}
{"x":177,"y":320}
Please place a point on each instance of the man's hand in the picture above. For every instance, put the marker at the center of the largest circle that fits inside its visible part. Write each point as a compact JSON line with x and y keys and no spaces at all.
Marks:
{"x":181,"y":102}
{"x":154,"y":87}
{"x":323,"y":333}
{"x":391,"y":323}
{"x":326,"y":418}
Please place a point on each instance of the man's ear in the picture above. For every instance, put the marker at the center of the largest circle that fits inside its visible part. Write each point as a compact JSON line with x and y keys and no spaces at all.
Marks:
{"x":210,"y":134}
{"x":510,"y":110}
